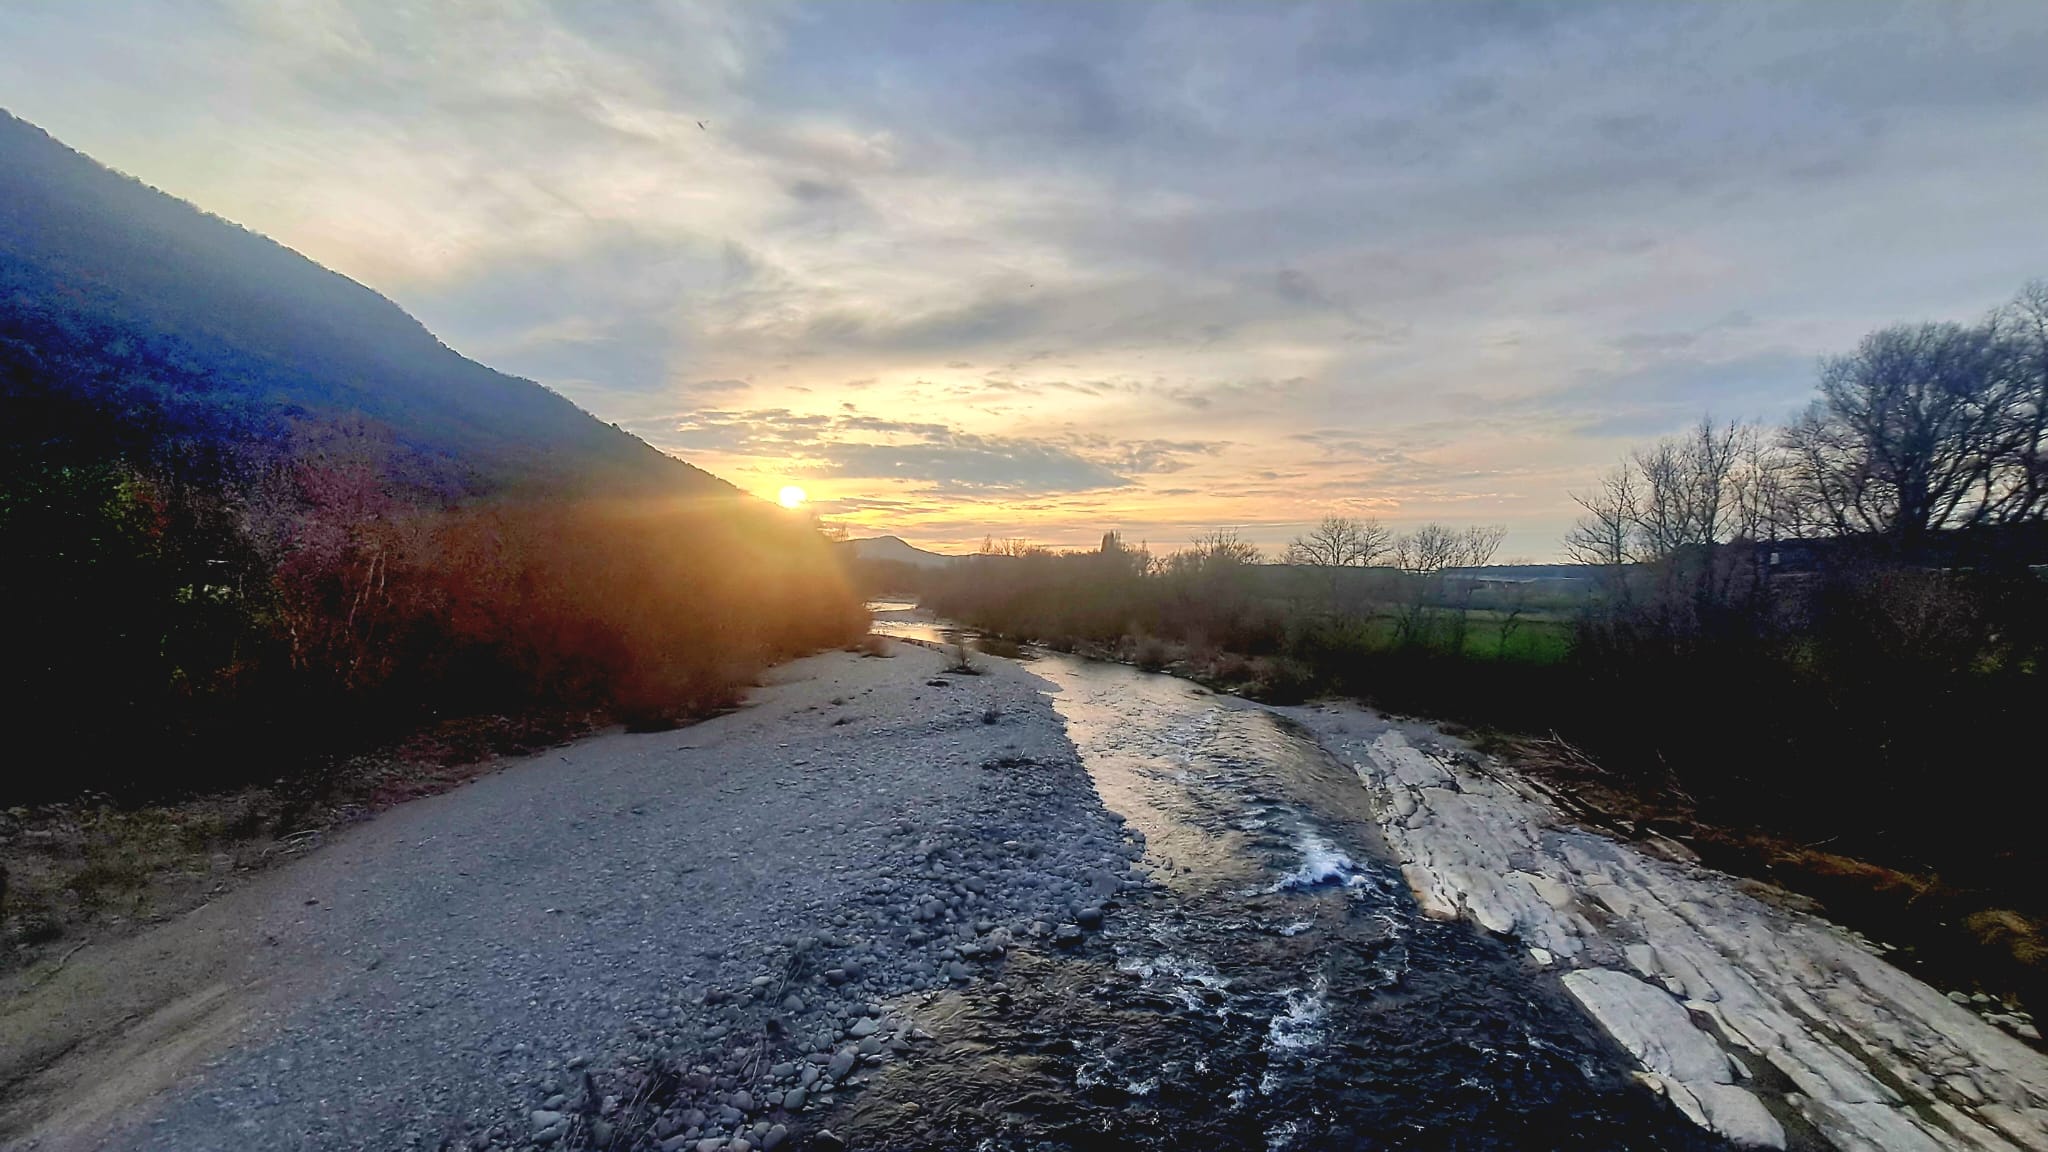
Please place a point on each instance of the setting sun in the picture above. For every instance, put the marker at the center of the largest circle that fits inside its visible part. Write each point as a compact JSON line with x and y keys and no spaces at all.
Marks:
{"x":791,"y":496}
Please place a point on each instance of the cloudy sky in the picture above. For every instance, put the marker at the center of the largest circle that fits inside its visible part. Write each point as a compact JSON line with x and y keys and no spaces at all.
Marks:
{"x":1041,"y":270}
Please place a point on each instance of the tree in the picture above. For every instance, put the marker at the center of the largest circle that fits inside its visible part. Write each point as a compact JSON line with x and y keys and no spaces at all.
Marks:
{"x":1432,"y":548}
{"x":2023,"y":331}
{"x":1671,"y":506}
{"x":1606,"y":535}
{"x":1340,"y":542}
{"x":1912,"y":433}
{"x":1222,"y":548}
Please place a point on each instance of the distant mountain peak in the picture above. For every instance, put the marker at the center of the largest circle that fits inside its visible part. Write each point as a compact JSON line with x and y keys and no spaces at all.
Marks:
{"x":895,"y":549}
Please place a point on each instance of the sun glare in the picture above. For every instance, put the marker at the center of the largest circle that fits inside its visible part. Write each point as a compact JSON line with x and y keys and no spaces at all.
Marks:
{"x":791,"y":496}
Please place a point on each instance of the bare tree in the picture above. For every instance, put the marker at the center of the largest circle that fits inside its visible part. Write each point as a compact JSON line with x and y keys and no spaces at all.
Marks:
{"x":1223,"y":547}
{"x":1606,"y":535}
{"x":1340,"y":542}
{"x":1428,"y":553}
{"x":1432,"y":548}
{"x":1905,"y":438}
{"x":2022,"y":487}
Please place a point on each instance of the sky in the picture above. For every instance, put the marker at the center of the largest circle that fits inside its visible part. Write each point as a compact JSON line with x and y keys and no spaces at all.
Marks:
{"x":1042,"y":270}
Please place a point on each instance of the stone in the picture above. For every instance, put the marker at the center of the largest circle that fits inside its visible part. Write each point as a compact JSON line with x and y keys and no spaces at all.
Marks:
{"x":1090,"y":917}
{"x":1068,"y":936}
{"x":825,"y":1141}
{"x":863,"y":1028}
{"x":793,"y":1100}
{"x":1695,"y":1073}
{"x":843,"y":1062}
{"x":743,"y":1100}
{"x":774,"y":1138}
{"x":544,"y":1118}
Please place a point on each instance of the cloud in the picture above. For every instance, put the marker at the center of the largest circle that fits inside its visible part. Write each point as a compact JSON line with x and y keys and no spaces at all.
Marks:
{"x":936,"y":457}
{"x":1439,"y":260}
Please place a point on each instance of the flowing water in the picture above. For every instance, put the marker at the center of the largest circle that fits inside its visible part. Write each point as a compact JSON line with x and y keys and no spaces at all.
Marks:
{"x":1277,"y":988}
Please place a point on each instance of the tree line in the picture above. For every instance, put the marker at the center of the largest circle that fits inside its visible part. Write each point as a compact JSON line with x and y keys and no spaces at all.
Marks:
{"x":193,"y":608}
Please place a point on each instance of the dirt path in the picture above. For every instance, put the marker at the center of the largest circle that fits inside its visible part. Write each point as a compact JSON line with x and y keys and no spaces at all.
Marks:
{"x":435,"y":977}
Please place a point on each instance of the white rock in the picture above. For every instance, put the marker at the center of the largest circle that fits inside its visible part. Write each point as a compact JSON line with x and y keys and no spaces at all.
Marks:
{"x":1651,"y":1025}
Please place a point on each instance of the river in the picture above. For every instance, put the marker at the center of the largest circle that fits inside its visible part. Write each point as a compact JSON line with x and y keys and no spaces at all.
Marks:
{"x":1277,"y":988}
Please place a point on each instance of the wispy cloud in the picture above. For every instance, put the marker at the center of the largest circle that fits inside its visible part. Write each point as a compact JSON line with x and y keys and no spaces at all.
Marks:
{"x":1100,"y":265}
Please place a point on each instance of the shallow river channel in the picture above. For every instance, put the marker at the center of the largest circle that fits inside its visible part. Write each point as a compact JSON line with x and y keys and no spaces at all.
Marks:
{"x":1277,"y":988}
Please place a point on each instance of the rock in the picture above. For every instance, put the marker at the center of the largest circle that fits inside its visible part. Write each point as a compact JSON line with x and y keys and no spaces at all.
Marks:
{"x":1068,"y":936}
{"x":825,"y":1141}
{"x":783,"y":1071}
{"x":843,"y":1062}
{"x":600,"y":1133}
{"x":792,"y":1003}
{"x":1694,"y":1071}
{"x":1736,"y":1114}
{"x":1960,"y":997}
{"x":775,"y":1137}
{"x":1651,"y":1025}
{"x":793,"y":1100}
{"x":743,"y":1100}
{"x":544,"y":1118}
{"x":863,"y":1028}
{"x":1090,"y":917}
{"x":711,"y":1144}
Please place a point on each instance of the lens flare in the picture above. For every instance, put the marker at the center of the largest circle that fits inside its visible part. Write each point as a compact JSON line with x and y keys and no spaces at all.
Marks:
{"x":791,"y":496}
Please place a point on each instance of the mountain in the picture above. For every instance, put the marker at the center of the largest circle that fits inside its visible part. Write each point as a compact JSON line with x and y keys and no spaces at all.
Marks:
{"x":118,"y":294}
{"x":896,"y":550}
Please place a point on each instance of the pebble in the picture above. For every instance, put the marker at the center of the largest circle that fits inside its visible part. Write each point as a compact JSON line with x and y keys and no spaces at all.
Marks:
{"x":842,"y":1062}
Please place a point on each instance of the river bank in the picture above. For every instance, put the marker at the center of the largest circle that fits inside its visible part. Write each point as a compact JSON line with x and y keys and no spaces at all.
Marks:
{"x":461,"y":971}
{"x":1727,"y":999}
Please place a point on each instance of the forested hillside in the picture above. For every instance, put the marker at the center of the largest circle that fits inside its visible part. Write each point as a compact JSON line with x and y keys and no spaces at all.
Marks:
{"x":255,"y":514}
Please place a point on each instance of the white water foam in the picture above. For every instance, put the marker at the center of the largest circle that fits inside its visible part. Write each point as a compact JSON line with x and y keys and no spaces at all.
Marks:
{"x":1300,"y":1028}
{"x":1321,"y":863}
